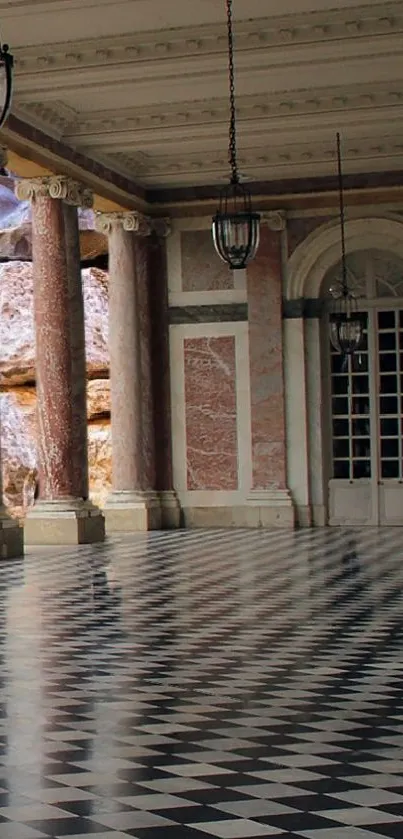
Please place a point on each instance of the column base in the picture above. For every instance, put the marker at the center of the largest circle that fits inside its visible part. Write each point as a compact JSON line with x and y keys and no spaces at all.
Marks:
{"x":170,"y":510}
{"x":130,"y":512}
{"x":11,"y":537}
{"x":65,"y":522}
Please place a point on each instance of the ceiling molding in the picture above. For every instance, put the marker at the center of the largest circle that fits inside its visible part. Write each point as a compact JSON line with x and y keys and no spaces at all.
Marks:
{"x":215,"y":111}
{"x":258,"y":34}
{"x":108,"y":129}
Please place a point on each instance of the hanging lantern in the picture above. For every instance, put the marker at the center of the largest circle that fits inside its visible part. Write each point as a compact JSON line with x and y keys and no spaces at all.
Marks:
{"x":235,"y":227}
{"x":346,"y":324}
{"x":6,"y":82}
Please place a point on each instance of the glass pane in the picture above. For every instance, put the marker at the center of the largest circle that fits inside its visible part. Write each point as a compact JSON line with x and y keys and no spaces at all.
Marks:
{"x":387,"y":362}
{"x":360,"y":384}
{"x":341,"y":469}
{"x":340,"y":428}
{"x":341,"y":448}
{"x":337,"y":363}
{"x":361,"y":469}
{"x":386,"y":320}
{"x":390,"y":468}
{"x":360,"y":405}
{"x":387,"y":341}
{"x":340,"y":384}
{"x":401,"y":319}
{"x":361,"y":428}
{"x":359,"y":363}
{"x":389,"y":448}
{"x":400,"y":339}
{"x":389,"y":427}
{"x":361,"y":448}
{"x":340,"y":405}
{"x":388,"y":405}
{"x":389,"y":384}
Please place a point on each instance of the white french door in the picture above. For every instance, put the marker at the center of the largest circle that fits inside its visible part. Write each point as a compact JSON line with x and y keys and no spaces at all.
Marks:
{"x":366,"y":486}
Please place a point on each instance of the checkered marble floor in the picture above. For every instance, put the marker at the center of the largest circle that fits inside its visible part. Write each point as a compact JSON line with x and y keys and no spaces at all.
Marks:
{"x":204,"y":684}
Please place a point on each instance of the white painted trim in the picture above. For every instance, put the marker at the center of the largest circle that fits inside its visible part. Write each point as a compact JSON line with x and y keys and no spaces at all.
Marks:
{"x":321,"y":250}
{"x":296,"y":421}
{"x":207,"y":298}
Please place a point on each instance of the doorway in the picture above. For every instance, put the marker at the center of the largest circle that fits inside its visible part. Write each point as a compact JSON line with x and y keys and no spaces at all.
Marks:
{"x":365,"y":486}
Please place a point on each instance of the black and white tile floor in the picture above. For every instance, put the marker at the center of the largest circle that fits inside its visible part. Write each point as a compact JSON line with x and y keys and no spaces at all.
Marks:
{"x":204,"y":684}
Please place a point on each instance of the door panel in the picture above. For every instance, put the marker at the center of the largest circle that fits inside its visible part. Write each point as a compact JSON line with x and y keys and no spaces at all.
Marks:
{"x":389,"y":374}
{"x":367,"y":427}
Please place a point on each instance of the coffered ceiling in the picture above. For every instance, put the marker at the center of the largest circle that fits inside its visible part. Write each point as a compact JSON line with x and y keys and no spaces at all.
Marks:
{"x":141,"y":85}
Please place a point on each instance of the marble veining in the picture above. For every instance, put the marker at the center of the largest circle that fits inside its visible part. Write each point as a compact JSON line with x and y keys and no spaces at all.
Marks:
{"x":266,"y":363}
{"x":211,"y":423}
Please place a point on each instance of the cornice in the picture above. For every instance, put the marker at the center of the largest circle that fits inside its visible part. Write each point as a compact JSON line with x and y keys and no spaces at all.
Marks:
{"x":268,"y":32}
{"x":112,"y":129}
{"x":215,"y":110}
{"x":268,"y":157}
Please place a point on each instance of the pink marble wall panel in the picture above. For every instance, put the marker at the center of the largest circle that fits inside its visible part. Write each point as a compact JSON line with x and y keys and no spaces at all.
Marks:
{"x":299,"y":228}
{"x":202,"y":269}
{"x":211,"y":421}
{"x":266,"y":364}
{"x":141,"y":252}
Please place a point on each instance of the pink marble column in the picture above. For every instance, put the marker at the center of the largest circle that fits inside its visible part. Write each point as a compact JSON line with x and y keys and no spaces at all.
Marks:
{"x":264,"y":283}
{"x":53,"y":351}
{"x":77,"y":348}
{"x":133,"y":503}
{"x":62,"y":513}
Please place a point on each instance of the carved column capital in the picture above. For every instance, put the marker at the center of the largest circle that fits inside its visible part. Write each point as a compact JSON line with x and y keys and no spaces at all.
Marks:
{"x":276,"y":220}
{"x":134,"y":222}
{"x":131,"y":220}
{"x":58,"y":187}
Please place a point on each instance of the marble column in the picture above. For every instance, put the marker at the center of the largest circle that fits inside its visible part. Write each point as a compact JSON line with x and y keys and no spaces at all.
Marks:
{"x":264,"y":283}
{"x":159,"y":316}
{"x":133,"y":503}
{"x":62,"y":513}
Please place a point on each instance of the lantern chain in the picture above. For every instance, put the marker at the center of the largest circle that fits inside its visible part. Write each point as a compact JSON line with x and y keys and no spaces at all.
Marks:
{"x":232,"y":152}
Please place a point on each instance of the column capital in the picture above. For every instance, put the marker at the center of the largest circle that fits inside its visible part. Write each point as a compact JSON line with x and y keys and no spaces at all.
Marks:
{"x":134,"y":222}
{"x":58,"y":187}
{"x":276,"y":220}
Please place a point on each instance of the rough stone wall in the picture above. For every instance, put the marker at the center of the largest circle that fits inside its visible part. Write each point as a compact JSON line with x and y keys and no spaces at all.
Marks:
{"x":17,"y":380}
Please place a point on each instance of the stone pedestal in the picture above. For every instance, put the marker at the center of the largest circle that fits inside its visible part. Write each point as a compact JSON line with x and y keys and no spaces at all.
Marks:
{"x":64,"y":522}
{"x":131,"y":511}
{"x":61,"y":514}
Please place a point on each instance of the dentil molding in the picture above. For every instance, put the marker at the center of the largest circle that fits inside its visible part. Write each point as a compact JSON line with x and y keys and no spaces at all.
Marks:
{"x":58,"y":187}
